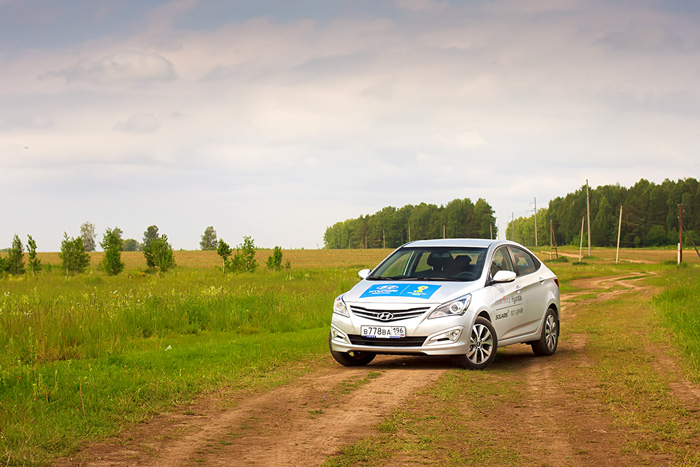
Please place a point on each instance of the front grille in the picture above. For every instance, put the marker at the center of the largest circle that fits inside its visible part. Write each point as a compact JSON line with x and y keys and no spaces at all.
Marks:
{"x":388,"y":315}
{"x":412,"y":341}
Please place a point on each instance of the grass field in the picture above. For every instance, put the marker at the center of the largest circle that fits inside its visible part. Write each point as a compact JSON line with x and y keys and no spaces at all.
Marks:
{"x":82,"y":356}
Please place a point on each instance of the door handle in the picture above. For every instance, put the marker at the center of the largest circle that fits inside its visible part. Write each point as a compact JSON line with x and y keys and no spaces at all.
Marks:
{"x":541,"y":280}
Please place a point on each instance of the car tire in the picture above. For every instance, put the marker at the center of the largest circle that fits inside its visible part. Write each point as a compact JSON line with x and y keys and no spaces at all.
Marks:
{"x":352,"y":358}
{"x":482,"y":346}
{"x":549,"y":340}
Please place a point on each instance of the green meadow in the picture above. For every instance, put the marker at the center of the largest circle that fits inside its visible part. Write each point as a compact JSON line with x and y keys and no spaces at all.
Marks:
{"x":81,"y":357}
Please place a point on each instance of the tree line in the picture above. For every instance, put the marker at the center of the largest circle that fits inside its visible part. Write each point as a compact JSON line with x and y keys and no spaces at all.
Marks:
{"x":157,"y":251}
{"x":392,"y":227}
{"x":650,"y":216}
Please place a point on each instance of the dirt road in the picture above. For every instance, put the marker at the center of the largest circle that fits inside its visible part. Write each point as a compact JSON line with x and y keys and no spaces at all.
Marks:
{"x":562,"y":418}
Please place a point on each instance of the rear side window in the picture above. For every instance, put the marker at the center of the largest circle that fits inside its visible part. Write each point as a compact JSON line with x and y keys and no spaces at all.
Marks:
{"x":524,"y":261}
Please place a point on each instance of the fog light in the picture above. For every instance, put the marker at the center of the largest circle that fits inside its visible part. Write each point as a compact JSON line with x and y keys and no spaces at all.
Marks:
{"x":338,"y":335}
{"x":447,"y":336}
{"x":453,"y":335}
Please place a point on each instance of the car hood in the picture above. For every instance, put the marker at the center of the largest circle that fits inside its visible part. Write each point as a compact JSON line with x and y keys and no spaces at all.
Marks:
{"x":411,"y":292}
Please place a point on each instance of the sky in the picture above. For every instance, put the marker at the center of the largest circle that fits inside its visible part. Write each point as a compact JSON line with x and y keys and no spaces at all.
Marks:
{"x":276,"y":118}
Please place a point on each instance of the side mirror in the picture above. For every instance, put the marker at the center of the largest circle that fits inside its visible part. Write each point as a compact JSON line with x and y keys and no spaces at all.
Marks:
{"x":504,"y":276}
{"x":364,"y":273}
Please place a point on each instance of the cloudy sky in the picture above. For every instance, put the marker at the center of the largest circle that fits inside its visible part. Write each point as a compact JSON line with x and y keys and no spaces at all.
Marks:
{"x":278,"y":118}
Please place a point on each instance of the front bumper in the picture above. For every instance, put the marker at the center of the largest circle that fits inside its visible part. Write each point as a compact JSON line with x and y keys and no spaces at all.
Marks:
{"x":451,"y":339}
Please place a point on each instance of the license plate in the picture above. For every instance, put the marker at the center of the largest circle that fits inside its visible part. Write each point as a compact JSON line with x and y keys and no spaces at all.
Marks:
{"x":391,"y":332}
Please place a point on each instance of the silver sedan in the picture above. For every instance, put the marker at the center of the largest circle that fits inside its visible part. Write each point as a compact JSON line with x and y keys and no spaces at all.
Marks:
{"x":458,"y":297}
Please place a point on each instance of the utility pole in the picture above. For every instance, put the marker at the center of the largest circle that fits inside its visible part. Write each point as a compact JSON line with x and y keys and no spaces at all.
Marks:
{"x":580,"y":246}
{"x":491,"y":231}
{"x":680,"y":234}
{"x":383,"y":239}
{"x":619,"y":229}
{"x":443,"y":231}
{"x":535,"y":221}
{"x":409,"y":232}
{"x":588,"y":211}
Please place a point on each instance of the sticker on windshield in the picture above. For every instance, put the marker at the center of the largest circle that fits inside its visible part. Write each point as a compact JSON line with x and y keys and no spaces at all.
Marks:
{"x":401,"y":290}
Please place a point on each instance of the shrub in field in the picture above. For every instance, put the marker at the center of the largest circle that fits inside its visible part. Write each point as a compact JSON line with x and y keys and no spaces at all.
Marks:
{"x":111,"y":243}
{"x":244,"y":259}
{"x":34,"y":263}
{"x":149,"y":236}
{"x":74,"y":258}
{"x":159,"y":254}
{"x":209,"y":239}
{"x":224,"y":251}
{"x":15,"y":257}
{"x":130,"y":245}
{"x":274,"y":261}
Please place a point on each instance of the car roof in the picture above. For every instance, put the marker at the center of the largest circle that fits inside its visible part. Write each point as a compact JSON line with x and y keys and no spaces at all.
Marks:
{"x":455,"y":242}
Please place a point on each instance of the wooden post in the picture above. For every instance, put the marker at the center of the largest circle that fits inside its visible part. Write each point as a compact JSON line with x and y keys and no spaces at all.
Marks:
{"x":588,"y":210}
{"x":680,"y":234}
{"x":619,"y":229}
{"x":552,"y":240}
{"x":535,"y":222}
{"x":580,"y":246}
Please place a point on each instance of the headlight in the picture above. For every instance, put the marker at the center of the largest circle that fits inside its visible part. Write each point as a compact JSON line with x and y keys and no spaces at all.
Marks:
{"x":453,"y":308}
{"x":340,"y":308}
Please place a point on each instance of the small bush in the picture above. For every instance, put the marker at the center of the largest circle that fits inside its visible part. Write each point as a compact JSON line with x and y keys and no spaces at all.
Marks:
{"x":112,"y":262}
{"x":74,"y":259}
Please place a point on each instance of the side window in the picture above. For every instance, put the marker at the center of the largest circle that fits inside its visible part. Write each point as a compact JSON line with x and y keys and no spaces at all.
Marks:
{"x":524,"y":261}
{"x":501,"y":261}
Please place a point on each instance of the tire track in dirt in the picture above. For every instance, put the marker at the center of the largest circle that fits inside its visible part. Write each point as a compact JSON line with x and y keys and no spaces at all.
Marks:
{"x":297,"y":424}
{"x":560,"y":418}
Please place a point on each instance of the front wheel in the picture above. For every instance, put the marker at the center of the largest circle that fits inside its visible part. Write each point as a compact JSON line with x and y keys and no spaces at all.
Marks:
{"x":482,"y":346}
{"x":352,"y":358}
{"x":549,"y":340}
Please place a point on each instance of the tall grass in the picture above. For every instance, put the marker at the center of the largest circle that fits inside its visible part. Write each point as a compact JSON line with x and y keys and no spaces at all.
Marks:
{"x":679,"y":308}
{"x":80,"y":356}
{"x":52,"y":317}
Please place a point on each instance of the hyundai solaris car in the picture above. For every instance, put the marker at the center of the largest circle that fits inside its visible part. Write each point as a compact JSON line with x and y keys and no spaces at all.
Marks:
{"x":461,"y":297}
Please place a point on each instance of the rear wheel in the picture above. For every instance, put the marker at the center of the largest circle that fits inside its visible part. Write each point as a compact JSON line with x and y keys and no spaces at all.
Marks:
{"x":549,"y":340}
{"x":352,"y":358}
{"x":482,"y":346}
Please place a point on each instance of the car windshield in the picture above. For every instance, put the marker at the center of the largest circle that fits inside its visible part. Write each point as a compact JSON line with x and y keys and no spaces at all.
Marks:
{"x":436,"y":263}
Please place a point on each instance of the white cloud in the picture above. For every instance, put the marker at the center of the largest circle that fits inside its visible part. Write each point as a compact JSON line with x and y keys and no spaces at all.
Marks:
{"x":139,"y":123}
{"x":433,"y":6}
{"x":121,"y":67}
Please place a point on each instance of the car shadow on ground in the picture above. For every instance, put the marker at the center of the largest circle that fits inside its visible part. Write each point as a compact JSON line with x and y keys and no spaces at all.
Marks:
{"x":510,"y":358}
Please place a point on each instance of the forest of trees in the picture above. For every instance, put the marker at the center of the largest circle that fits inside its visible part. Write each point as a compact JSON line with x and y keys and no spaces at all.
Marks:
{"x":650,"y":215}
{"x":392,"y":227}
